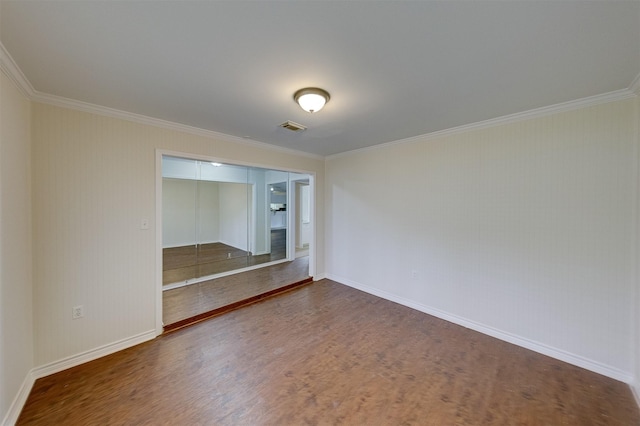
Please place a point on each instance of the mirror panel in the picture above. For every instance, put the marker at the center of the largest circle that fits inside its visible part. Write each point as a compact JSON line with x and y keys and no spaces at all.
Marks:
{"x":218,"y":218}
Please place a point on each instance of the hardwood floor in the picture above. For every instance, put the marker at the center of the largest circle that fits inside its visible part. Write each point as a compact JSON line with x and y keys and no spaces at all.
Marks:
{"x":180,"y":264}
{"x":195,"y":299}
{"x":328,"y":354}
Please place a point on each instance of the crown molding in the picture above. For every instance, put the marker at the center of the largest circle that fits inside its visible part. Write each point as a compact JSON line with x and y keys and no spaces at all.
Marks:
{"x":11,"y":69}
{"x":635,"y":85}
{"x":8,"y":65}
{"x":617,"y":95}
{"x":156,"y":122}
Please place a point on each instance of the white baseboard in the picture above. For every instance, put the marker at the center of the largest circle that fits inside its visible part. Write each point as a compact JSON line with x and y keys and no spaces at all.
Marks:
{"x":635,"y":390}
{"x":556,"y":353}
{"x":177,"y":245}
{"x":90,"y":355}
{"x":18,"y":402}
{"x":319,"y":277}
{"x":54,"y":367}
{"x":220,"y":275}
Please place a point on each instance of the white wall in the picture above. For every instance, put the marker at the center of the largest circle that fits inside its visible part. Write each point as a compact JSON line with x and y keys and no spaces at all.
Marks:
{"x":305,"y":217}
{"x":234,"y":206}
{"x":259,"y":226}
{"x":93,"y":182}
{"x":636,"y":383}
{"x":525,"y":231}
{"x":302,"y":217}
{"x":208,"y":211}
{"x":178,"y":212}
{"x":190,"y":210}
{"x":16,"y":310}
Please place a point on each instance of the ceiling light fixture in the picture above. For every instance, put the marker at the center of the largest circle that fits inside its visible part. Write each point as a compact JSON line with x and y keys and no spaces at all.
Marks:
{"x":311,"y":99}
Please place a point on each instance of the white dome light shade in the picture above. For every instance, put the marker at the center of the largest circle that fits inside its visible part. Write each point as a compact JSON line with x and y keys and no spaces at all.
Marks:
{"x":311,"y":99}
{"x":311,"y":102}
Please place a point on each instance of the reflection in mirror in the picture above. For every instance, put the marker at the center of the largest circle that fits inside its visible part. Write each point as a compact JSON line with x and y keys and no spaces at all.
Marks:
{"x":219,"y":218}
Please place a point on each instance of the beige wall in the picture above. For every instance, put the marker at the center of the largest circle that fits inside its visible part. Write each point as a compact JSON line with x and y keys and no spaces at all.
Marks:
{"x":179,"y":212}
{"x":16,"y":313}
{"x":181,"y":199}
{"x":525,"y":231}
{"x":94,"y":180}
{"x":636,"y":384}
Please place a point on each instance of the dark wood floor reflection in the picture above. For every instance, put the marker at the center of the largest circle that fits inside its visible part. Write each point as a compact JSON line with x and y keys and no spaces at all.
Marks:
{"x":180,"y":264}
{"x":195,"y":299}
{"x":327,"y":354}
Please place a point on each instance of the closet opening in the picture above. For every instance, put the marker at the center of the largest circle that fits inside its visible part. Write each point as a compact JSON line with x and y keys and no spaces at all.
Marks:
{"x":222,"y":224}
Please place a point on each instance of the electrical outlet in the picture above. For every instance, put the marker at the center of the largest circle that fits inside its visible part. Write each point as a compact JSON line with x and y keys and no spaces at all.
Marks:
{"x":77,"y":312}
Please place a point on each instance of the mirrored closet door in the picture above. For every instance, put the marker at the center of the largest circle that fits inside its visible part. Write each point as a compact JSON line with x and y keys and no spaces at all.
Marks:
{"x":219,"y":218}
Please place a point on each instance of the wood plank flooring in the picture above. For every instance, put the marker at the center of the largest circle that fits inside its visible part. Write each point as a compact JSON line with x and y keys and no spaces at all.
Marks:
{"x":195,"y":299}
{"x":180,"y":264}
{"x":328,"y":354}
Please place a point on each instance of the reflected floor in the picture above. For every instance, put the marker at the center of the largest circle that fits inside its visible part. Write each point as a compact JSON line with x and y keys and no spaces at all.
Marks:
{"x":180,"y":264}
{"x":188,"y":301}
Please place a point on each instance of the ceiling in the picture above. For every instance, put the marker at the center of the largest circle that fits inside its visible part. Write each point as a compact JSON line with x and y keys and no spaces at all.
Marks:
{"x":394,"y":69}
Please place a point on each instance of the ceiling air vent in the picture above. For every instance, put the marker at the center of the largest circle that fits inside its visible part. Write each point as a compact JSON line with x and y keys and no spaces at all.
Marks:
{"x":294,"y":127}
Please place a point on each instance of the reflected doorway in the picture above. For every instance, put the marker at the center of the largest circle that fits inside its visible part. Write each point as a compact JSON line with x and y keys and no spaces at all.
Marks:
{"x":303,"y":228}
{"x":278,"y":220}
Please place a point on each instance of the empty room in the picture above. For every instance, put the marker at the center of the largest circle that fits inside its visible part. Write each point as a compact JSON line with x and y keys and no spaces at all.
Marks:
{"x":470,"y":231}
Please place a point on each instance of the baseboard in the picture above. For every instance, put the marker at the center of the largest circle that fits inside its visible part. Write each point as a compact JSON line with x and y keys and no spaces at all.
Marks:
{"x":192,"y":244}
{"x":552,"y":352}
{"x":54,"y":367}
{"x":90,"y":355}
{"x":173,"y":286}
{"x":18,"y":402}
{"x":635,"y":390}
{"x":319,"y":277}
